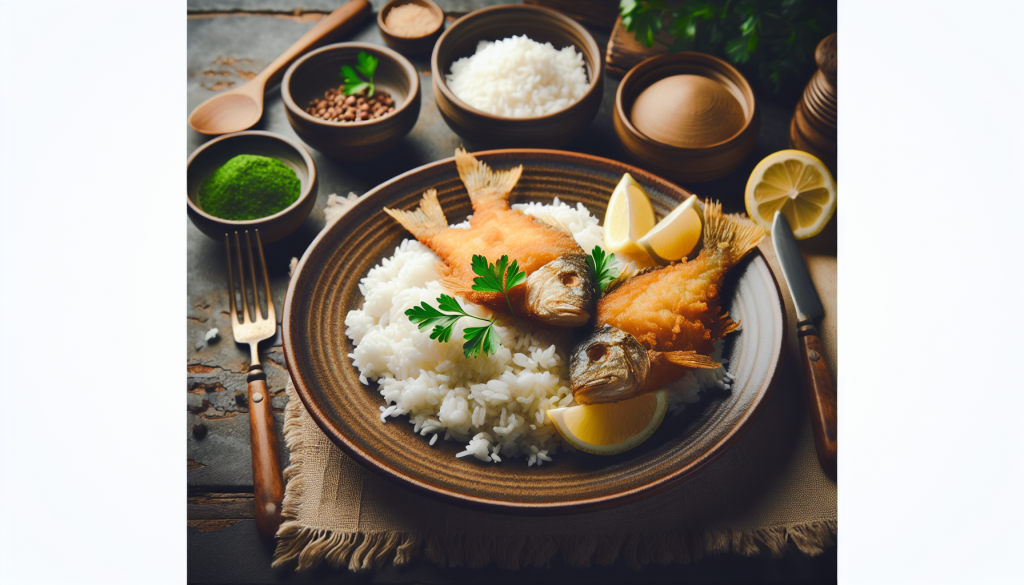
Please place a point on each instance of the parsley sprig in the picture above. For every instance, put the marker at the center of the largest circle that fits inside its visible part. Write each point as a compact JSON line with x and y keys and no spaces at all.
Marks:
{"x":499,"y":278}
{"x":365,"y":64}
{"x":477,"y":338}
{"x":494,"y":278}
{"x":601,"y":263}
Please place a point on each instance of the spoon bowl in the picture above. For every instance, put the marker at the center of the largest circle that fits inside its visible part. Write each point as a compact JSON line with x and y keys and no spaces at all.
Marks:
{"x":229,"y":112}
{"x":240,"y":108}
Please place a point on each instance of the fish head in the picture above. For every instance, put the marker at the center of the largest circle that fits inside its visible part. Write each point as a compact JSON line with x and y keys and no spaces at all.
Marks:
{"x":607,"y":366}
{"x":563,"y":292}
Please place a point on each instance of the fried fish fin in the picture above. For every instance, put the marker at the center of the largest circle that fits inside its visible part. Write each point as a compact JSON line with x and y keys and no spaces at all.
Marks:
{"x":487,"y":188}
{"x":426,"y":221}
{"x":691,"y":359}
{"x":730,"y":235}
{"x":553,"y":223}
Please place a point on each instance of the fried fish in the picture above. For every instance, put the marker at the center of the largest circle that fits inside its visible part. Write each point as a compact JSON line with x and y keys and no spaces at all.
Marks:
{"x":560,"y":288}
{"x":656,"y":325}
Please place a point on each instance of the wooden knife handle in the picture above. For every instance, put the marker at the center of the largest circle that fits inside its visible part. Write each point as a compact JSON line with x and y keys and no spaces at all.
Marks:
{"x":821,"y":395}
{"x":268,"y":486}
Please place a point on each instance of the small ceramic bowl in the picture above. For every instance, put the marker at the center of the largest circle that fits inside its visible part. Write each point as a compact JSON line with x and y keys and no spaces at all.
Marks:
{"x":499,"y":22}
{"x":316,"y":72}
{"x":688,"y":164}
{"x":410,"y":45}
{"x":211,"y":156}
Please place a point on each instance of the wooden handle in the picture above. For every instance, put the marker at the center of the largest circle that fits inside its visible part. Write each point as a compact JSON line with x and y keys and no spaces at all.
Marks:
{"x":334,"y":24}
{"x":268,"y":486}
{"x":821,"y":395}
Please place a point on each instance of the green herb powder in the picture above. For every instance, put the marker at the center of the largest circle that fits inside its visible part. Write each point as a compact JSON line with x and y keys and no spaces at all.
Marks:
{"x":249,"y":187}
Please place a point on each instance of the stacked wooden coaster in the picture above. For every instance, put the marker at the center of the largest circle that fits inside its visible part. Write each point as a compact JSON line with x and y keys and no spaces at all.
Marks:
{"x":813,"y":128}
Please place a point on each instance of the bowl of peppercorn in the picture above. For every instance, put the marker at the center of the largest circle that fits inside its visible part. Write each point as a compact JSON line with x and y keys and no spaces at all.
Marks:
{"x":352,"y":101}
{"x":250,"y":180}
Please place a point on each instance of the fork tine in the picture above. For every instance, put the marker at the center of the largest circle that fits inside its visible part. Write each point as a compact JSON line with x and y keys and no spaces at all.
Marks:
{"x":266,"y":278}
{"x":241,"y":279}
{"x":256,"y":310}
{"x":231,"y":280}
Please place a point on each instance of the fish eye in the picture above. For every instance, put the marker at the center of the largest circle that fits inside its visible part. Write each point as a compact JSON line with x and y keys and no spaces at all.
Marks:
{"x":569,"y":279}
{"x":597,"y":352}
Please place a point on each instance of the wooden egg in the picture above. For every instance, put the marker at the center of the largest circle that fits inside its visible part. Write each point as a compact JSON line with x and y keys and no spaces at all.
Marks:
{"x":688,"y":111}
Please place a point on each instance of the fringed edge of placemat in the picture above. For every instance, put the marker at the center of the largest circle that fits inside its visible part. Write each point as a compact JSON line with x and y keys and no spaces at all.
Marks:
{"x":362,"y":551}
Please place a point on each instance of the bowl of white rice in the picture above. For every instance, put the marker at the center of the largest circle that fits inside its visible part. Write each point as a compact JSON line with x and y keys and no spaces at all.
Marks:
{"x":474,"y":431}
{"x":517,"y":76}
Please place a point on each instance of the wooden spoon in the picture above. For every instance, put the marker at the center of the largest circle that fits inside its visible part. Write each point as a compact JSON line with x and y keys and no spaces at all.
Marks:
{"x":239,"y":108}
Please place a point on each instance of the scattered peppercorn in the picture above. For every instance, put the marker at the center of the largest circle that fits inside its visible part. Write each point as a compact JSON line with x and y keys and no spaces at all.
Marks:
{"x":199,"y":431}
{"x":249,"y":187}
{"x":337,"y":107}
{"x":241,"y":398}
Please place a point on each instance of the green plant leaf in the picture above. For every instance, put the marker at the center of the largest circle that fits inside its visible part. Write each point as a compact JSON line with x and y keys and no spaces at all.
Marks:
{"x":424,"y":316}
{"x":600,"y":263}
{"x":367,"y":64}
{"x":488,"y":279}
{"x":349,"y":75}
{"x":354,"y":89}
{"x":480,"y":339}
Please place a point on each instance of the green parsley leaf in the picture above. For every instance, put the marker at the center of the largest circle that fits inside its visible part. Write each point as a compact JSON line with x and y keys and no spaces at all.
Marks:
{"x":477,"y":338}
{"x":480,"y":338}
{"x":498,"y":277}
{"x":601,"y":263}
{"x":424,"y":316}
{"x":367,"y":65}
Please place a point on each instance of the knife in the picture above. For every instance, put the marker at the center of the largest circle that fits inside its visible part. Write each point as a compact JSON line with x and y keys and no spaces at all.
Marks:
{"x":821,"y":394}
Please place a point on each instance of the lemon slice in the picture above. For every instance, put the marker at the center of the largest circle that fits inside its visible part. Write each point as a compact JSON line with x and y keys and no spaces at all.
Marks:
{"x":677,"y":235}
{"x":607,"y":429}
{"x":629,"y":216}
{"x":795,"y":183}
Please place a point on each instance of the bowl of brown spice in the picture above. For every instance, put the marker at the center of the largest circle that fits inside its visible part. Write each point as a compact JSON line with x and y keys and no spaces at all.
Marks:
{"x":250,"y":180}
{"x":410,"y":26}
{"x":352,"y":101}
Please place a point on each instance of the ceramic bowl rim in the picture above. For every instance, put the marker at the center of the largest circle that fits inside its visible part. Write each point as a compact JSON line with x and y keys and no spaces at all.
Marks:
{"x":307,"y":160}
{"x":394,"y":3}
{"x":404,"y":64}
{"x":591,"y":48}
{"x":694,"y":57}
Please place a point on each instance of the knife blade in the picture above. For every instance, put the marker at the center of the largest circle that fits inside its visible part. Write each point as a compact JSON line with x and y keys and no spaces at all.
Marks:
{"x":821,"y":393}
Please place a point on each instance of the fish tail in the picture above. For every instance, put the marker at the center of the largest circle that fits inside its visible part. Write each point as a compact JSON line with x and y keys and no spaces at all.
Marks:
{"x":691,"y":359}
{"x":487,"y":188}
{"x":425,"y":221}
{"x":732,"y":235}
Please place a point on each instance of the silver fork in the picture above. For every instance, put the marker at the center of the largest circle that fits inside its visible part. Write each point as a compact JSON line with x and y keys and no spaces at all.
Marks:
{"x":268,"y":487}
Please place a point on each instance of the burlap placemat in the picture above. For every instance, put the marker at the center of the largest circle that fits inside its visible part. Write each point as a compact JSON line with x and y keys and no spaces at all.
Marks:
{"x":767,"y":493}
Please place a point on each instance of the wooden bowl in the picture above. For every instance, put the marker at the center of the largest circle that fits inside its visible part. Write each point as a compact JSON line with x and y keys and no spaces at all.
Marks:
{"x":212,"y":155}
{"x":696,"y":163}
{"x":326,"y":286}
{"x":498,"y":22}
{"x":316,"y":72}
{"x":410,"y":45}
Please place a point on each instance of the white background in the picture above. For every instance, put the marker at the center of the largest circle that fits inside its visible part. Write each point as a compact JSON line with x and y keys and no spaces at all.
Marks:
{"x":92,"y":110}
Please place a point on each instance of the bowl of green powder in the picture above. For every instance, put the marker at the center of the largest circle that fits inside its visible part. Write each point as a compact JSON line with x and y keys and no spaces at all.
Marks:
{"x":250,"y":180}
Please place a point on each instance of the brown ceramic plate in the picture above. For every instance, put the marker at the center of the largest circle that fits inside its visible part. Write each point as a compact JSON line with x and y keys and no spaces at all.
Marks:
{"x":326,"y":286}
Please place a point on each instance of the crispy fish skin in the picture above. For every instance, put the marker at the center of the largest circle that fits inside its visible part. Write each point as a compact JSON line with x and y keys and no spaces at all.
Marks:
{"x":674,"y":314}
{"x":560,"y":289}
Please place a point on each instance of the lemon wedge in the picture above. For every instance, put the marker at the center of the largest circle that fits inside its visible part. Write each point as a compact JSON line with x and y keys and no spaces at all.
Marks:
{"x":607,"y":429}
{"x":677,"y":235}
{"x":629,"y":216}
{"x":795,"y":183}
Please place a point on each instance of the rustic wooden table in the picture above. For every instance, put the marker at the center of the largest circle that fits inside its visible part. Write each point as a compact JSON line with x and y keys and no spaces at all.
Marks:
{"x":229,"y":41}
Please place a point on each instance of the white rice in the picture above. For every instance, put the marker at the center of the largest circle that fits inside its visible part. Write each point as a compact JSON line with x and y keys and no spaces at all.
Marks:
{"x":519,"y":78}
{"x":495,"y":404}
